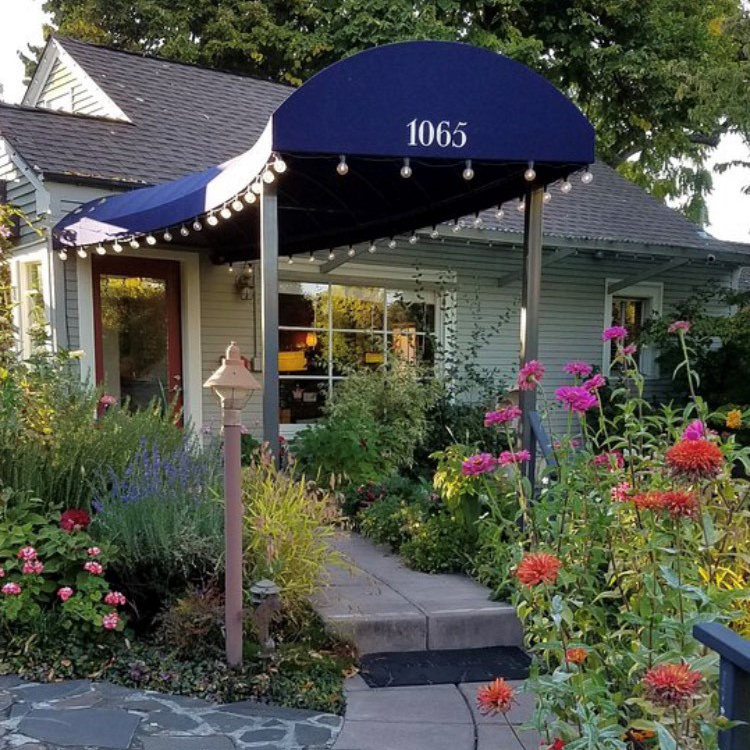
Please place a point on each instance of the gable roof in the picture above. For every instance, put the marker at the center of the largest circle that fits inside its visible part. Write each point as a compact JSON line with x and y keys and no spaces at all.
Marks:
{"x":184,"y":118}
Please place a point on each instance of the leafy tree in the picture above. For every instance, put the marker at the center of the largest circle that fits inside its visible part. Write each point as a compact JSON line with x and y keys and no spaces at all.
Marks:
{"x":660,"y":79}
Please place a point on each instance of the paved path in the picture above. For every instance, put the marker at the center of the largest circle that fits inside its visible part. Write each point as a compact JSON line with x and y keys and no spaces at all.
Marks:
{"x":83,"y":715}
{"x":379,"y":604}
{"x":434,"y":717}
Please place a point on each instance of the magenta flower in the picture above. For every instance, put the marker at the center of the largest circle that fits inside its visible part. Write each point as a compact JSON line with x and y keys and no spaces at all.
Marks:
{"x":33,"y":568}
{"x":594,"y":382}
{"x":629,"y":350}
{"x":94,"y":551}
{"x":530,"y":375}
{"x":481,"y":463}
{"x":93,"y":567}
{"x":576,"y":398}
{"x":621,"y":492}
{"x":696,"y":430}
{"x":679,"y":326}
{"x":111,"y":621}
{"x":11,"y":589}
{"x":510,"y":457}
{"x":107,"y":400}
{"x":613,"y":459}
{"x":614,"y":332}
{"x":577,"y":367}
{"x":502,"y":416}
{"x":27,"y":553}
{"x":115,"y":598}
{"x":64,"y":593}
{"x":2,"y":573}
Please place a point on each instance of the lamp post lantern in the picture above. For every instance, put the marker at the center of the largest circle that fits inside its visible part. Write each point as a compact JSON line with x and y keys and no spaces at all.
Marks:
{"x":233,"y":383}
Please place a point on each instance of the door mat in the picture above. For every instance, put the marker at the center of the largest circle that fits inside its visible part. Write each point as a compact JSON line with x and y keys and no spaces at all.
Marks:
{"x":395,"y":669}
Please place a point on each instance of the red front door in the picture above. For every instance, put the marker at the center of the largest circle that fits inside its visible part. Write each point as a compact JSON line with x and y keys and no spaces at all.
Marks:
{"x":137,"y":329}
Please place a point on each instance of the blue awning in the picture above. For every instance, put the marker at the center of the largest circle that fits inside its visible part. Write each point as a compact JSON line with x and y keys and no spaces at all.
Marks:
{"x":446,"y":107}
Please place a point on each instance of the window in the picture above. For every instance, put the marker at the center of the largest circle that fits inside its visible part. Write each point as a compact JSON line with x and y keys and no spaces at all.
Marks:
{"x":32,"y":306}
{"x":325,"y":330}
{"x":628,"y":312}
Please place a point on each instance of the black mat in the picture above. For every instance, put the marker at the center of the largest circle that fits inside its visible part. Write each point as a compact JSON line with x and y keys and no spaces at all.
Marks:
{"x":444,"y":667}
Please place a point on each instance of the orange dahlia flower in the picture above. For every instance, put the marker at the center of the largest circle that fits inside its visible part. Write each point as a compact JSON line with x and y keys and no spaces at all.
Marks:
{"x":495,"y":698}
{"x":695,"y":459}
{"x":538,"y":567}
{"x":576,"y":654}
{"x":649,"y":500}
{"x":734,"y":419}
{"x":671,"y":684}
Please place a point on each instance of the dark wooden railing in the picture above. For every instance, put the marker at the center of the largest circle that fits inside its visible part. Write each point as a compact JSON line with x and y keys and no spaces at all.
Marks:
{"x":734,"y":680}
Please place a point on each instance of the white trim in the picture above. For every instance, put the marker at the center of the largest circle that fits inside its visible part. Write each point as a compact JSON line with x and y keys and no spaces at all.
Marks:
{"x":653,"y":293}
{"x":36,"y":253}
{"x":41,"y":74}
{"x":190,"y":318}
{"x":42,"y":197}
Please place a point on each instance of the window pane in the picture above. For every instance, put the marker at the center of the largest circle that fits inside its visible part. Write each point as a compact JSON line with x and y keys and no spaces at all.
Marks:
{"x":410,"y":309}
{"x":356,"y":350}
{"x":303,"y":352}
{"x":628,"y":313}
{"x":357,"y":307}
{"x":408,"y":346}
{"x":301,"y":401}
{"x":303,"y":305}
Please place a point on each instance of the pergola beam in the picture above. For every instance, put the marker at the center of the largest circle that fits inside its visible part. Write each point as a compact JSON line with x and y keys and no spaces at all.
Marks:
{"x":556,"y":257}
{"x":649,"y":273}
{"x":330,"y":265}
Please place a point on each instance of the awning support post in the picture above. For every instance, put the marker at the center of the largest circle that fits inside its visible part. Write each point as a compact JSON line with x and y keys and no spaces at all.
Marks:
{"x":530,"y":301}
{"x":269,"y":262}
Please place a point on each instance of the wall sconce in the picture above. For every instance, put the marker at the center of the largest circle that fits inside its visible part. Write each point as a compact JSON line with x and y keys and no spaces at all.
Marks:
{"x":245,"y":282}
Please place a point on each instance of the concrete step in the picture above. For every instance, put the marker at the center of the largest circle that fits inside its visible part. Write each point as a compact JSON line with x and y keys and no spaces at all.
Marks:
{"x":379,"y":604}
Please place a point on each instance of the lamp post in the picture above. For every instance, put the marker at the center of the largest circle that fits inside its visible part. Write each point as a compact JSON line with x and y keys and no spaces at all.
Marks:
{"x":233,"y":384}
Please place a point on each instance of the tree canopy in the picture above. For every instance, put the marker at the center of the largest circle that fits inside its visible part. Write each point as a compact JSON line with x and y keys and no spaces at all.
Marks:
{"x":661,"y":80}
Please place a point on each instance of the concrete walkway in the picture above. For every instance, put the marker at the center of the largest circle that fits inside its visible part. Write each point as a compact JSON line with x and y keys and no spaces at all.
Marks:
{"x":434,"y":717}
{"x":379,"y":604}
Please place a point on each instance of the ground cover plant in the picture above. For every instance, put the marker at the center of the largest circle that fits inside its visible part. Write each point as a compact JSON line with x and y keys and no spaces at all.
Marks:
{"x":640,"y":531}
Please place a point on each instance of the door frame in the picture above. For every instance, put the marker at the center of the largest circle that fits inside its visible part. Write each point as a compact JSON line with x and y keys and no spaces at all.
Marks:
{"x":164,"y":270}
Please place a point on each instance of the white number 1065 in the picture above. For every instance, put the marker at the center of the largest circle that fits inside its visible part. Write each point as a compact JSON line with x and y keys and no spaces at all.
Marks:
{"x":444,"y":133}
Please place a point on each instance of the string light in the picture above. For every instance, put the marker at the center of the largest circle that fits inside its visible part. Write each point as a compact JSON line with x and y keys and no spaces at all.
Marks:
{"x":434,"y":234}
{"x":167,"y":236}
{"x":212,"y":219}
{"x":587,"y":177}
{"x":250,"y":197}
{"x":406,"y":169}
{"x":290,"y":261}
{"x":231,"y":268}
{"x":256,"y":187}
{"x":184,"y":231}
{"x":530,"y":174}
{"x":150,"y":239}
{"x":392,"y":243}
{"x":521,"y":207}
{"x":413,"y":238}
{"x":62,"y":255}
{"x":566,"y":187}
{"x":134,"y":243}
{"x":342,"y":167}
{"x":468,"y":173}
{"x":351,"y":252}
{"x":117,"y":247}
{"x":456,"y":228}
{"x":372,"y":248}
{"x":197,"y":226}
{"x":547,"y":196}
{"x":268,"y":176}
{"x":278,"y":165}
{"x":311,"y":259}
{"x":331,"y":255}
{"x":499,"y":213}
{"x":237,"y":205}
{"x":82,"y":252}
{"x":225,"y":213}
{"x":100,"y":249}
{"x":477,"y":221}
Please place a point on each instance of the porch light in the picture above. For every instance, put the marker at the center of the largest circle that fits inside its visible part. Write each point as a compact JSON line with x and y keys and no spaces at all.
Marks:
{"x":392,"y":243}
{"x":413,"y":238}
{"x":434,"y":234}
{"x":351,"y":252}
{"x":250,"y":197}
{"x":212,"y":220}
{"x":134,"y":243}
{"x":406,"y":169}
{"x":566,"y":187}
{"x":499,"y":213}
{"x":237,"y":205}
{"x":100,"y":249}
{"x":342,"y":167}
{"x":587,"y":177}
{"x":167,"y":236}
{"x":372,"y":248}
{"x":530,"y":174}
{"x":233,"y":383}
{"x":62,"y":255}
{"x":82,"y":253}
{"x":150,"y":239}
{"x":268,"y":176}
{"x":278,"y":165}
{"x":468,"y":173}
{"x":197,"y":226}
{"x":117,"y":247}
{"x":225,"y":213}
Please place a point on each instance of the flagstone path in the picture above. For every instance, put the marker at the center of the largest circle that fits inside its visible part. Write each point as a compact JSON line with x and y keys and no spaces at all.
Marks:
{"x":83,"y":715}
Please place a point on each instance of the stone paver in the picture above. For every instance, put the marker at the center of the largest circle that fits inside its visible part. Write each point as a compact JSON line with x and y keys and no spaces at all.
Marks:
{"x":380,"y":605}
{"x":100,"y":716}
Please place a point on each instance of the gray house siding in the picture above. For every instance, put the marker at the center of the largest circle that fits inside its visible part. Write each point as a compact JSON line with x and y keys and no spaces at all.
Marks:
{"x":21,"y":192}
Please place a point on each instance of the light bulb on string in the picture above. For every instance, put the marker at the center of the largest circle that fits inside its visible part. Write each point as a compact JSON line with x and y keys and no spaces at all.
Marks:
{"x":331,"y":255}
{"x":530,"y":174}
{"x":82,"y":252}
{"x":372,"y":248}
{"x":406,"y":169}
{"x":117,"y":247}
{"x":150,"y":239}
{"x":342,"y":167}
{"x":134,"y":243}
{"x":197,"y":226}
{"x":100,"y":249}
{"x":237,"y":205}
{"x":477,"y":222}
{"x":230,"y":267}
{"x":225,"y":213}
{"x":278,"y":165}
{"x":212,"y":220}
{"x":184,"y":231}
{"x":587,"y":177}
{"x":456,"y":228}
{"x":499,"y":213}
{"x":566,"y":187}
{"x":249,"y":197}
{"x":392,"y":243}
{"x":468,"y":173}
{"x":521,"y":207}
{"x":351,"y":252}
{"x":62,"y":255}
{"x":434,"y":234}
{"x":413,"y":238}
{"x":257,"y":187}
{"x":167,"y":236}
{"x":547,"y":196}
{"x":290,"y":260}
{"x":268,"y":176}
{"x":311,"y":259}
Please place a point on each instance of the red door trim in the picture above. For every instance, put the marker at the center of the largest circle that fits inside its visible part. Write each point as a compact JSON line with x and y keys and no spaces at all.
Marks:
{"x":165,"y":270}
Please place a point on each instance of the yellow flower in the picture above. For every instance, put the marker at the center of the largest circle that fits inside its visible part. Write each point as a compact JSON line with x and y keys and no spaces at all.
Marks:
{"x":734,"y":419}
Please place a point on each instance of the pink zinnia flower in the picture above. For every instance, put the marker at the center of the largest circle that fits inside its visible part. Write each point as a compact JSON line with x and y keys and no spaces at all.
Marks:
{"x":111,"y":621}
{"x":115,"y":598}
{"x":594,"y":382}
{"x":577,"y":367}
{"x":530,"y":375}
{"x":613,"y":459}
{"x":94,"y":551}
{"x":27,"y":553}
{"x":33,"y":568}
{"x":64,"y":593}
{"x":480,"y":463}
{"x":679,"y":325}
{"x":576,"y":398}
{"x":11,"y":589}
{"x":509,"y":457}
{"x":629,"y":350}
{"x":501,"y":416}
{"x":620,"y":492}
{"x":671,"y":684}
{"x":696,"y":430}
{"x":93,"y":567}
{"x":107,"y":400}
{"x":2,"y":573}
{"x":614,"y":332}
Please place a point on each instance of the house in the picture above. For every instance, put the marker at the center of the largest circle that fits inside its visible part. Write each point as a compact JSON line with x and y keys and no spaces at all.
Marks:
{"x":155,"y":318}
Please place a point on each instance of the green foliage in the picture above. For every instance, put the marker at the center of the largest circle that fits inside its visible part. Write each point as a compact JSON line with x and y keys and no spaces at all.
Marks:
{"x":387,"y":521}
{"x":438,"y":543}
{"x":288,"y":527}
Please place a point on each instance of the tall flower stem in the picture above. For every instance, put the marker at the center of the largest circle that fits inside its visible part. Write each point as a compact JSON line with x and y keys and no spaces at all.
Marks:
{"x":688,"y":369}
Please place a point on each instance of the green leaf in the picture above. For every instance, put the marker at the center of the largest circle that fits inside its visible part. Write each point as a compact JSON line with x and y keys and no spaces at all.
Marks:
{"x":666,"y":740}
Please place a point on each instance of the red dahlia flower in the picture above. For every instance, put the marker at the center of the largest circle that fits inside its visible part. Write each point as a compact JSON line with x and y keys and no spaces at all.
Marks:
{"x":671,"y":684}
{"x":695,"y":459}
{"x":74,"y":520}
{"x":538,"y":567}
{"x":679,"y":503}
{"x":495,"y":698}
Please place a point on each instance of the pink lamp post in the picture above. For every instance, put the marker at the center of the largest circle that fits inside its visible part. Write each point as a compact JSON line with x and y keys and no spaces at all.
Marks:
{"x":233,"y":384}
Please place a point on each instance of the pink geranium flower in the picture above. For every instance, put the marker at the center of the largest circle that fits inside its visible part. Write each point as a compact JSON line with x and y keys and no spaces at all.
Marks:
{"x":594,"y":382}
{"x":530,"y":375}
{"x":33,"y":568}
{"x":510,"y":457}
{"x":679,"y":326}
{"x":614,"y":332}
{"x":576,"y":398}
{"x":11,"y":589}
{"x":64,"y":593}
{"x":621,"y":492}
{"x":115,"y":598}
{"x":94,"y":551}
{"x":93,"y":567}
{"x":577,"y":367}
{"x":481,"y":463}
{"x":696,"y":430}
{"x":27,"y":553}
{"x":613,"y":459}
{"x":502,"y":416}
{"x":111,"y":621}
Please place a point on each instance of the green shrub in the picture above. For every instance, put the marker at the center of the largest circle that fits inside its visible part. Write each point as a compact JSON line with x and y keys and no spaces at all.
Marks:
{"x":388,"y":521}
{"x":439,"y":543}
